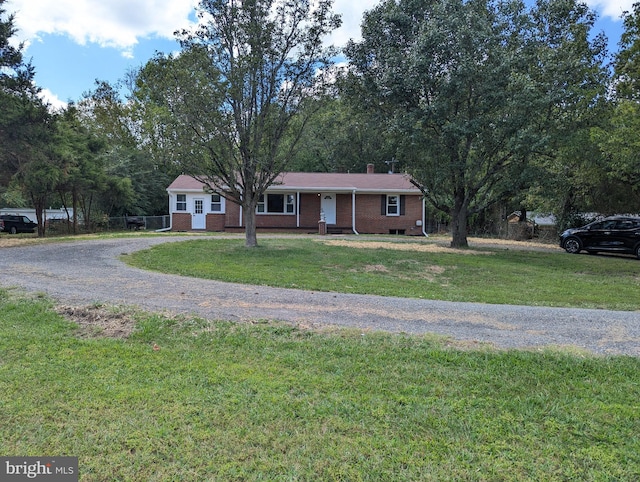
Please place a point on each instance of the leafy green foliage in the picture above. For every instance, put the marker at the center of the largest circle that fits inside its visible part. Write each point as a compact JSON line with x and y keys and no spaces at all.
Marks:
{"x":620,"y":138}
{"x":224,"y":108}
{"x":476,"y":89}
{"x":341,"y":137}
{"x":137,"y":176}
{"x":24,"y":120}
{"x":619,"y":141}
{"x":627,"y":60}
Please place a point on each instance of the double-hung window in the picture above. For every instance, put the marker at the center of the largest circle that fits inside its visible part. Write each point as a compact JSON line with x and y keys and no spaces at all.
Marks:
{"x":216,"y":203}
{"x":393,"y":205}
{"x":181,"y":202}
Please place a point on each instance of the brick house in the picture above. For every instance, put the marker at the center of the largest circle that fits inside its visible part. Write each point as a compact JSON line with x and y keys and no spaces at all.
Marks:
{"x":298,"y":201}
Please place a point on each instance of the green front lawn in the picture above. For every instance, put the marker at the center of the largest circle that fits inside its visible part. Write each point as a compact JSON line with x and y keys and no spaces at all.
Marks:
{"x":222,"y":401}
{"x":488,"y":275}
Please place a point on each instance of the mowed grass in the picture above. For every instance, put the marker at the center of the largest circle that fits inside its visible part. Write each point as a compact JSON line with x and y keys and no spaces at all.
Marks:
{"x":486,"y":275}
{"x":245,"y":402}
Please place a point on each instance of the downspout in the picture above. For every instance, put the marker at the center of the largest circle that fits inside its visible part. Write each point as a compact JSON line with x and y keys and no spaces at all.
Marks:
{"x":424,"y":220}
{"x":164,"y":230}
{"x":353,"y":213}
{"x":424,"y":206}
{"x":297,"y":209}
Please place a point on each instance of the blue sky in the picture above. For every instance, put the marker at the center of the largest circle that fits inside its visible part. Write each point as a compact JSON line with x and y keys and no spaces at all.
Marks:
{"x":74,"y":42}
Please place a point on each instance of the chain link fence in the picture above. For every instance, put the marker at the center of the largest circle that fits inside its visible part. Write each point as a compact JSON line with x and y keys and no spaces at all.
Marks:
{"x":151,"y":223}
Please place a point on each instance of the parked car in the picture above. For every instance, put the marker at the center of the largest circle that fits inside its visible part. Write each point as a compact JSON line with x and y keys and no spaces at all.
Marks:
{"x":135,"y":222}
{"x":617,"y":234}
{"x":11,"y":223}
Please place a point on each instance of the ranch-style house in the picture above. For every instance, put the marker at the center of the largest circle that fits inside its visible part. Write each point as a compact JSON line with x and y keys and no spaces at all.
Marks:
{"x":308,"y":202}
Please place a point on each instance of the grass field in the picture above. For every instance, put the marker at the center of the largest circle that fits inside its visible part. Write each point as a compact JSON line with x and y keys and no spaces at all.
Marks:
{"x":409,"y":269}
{"x":222,"y":401}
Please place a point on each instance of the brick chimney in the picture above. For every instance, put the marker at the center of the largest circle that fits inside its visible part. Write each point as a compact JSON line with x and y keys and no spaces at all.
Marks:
{"x":370,"y":169}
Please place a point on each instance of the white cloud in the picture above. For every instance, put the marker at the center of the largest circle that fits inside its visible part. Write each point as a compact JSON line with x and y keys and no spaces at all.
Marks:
{"x":120,"y":23}
{"x":50,"y":98}
{"x":611,"y":8}
{"x":352,"y":12}
{"x":113,"y":23}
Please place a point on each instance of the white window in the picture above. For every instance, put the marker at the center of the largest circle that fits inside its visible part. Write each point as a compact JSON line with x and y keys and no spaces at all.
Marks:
{"x":277,"y":204}
{"x":393,"y":205}
{"x":290,"y":204}
{"x":216,"y":203}
{"x":181,"y":202}
{"x":198,"y":206}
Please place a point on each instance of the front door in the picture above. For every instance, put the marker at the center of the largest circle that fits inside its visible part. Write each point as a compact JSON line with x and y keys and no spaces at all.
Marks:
{"x":328,"y":207}
{"x":198,"y":220}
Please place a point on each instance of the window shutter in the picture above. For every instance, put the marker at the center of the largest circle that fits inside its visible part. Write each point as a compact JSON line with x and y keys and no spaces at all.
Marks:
{"x":383,"y":205}
{"x":403,"y":200}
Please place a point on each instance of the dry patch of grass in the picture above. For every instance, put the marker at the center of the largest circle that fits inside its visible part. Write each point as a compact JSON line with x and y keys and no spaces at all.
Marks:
{"x":7,"y":242}
{"x":401,"y":246}
{"x":375,"y":268}
{"x":513,"y":244}
{"x":99,"y":321}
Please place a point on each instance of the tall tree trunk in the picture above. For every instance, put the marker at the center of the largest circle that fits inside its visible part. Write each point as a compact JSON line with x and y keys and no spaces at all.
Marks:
{"x":459,"y":216}
{"x":74,"y":207}
{"x":38,"y":204}
{"x":249,"y":215}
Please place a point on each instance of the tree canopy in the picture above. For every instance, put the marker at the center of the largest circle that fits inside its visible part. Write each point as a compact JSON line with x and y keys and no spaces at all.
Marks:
{"x":224,"y":108}
{"x":485,"y":103}
{"x":475,"y":89}
{"x":619,"y":139}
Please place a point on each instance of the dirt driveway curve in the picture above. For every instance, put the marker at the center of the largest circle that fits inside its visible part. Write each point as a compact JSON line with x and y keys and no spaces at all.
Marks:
{"x":89,"y":271}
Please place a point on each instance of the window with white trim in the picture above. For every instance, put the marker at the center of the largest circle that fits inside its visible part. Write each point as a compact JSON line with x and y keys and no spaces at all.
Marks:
{"x":277,"y":204}
{"x":216,"y":203}
{"x":181,"y":202}
{"x":290,"y":204}
{"x":393,"y":205}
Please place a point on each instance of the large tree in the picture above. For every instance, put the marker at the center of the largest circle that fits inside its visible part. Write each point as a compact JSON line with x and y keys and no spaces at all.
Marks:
{"x":344,"y":138}
{"x":627,"y":59}
{"x":224,"y":107}
{"x":19,"y":106}
{"x":26,"y":126}
{"x":137,"y":180}
{"x":620,"y":139}
{"x":475,"y":88}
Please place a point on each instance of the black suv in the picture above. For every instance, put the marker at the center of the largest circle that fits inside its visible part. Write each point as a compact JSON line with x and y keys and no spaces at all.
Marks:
{"x":13,"y":224}
{"x":617,"y":234}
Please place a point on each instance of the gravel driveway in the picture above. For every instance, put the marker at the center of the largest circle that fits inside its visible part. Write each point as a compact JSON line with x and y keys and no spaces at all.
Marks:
{"x":86,"y":272}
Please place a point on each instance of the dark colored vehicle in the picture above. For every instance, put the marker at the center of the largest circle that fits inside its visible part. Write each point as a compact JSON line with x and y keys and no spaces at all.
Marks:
{"x":135,"y":222}
{"x":10,"y":223}
{"x":617,"y":234}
